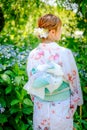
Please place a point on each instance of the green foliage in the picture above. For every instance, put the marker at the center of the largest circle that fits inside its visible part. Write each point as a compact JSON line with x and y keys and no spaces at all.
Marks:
{"x":16,"y":107}
{"x":82,"y":6}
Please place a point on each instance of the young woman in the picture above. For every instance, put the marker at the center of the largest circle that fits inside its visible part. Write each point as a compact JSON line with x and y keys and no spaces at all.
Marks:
{"x":53,"y":79}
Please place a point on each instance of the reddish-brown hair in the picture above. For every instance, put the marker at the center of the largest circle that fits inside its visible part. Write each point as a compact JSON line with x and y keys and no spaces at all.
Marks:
{"x":49,"y":21}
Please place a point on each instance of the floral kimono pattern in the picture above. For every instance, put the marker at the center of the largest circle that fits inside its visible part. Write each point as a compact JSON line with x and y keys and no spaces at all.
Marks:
{"x":55,"y":115}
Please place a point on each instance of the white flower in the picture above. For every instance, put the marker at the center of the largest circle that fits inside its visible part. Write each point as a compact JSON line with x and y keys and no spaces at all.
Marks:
{"x":79,"y":33}
{"x":2,"y":109}
{"x":41,"y":32}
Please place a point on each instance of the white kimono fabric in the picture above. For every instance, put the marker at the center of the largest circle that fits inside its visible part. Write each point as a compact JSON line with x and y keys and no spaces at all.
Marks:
{"x":55,"y":115}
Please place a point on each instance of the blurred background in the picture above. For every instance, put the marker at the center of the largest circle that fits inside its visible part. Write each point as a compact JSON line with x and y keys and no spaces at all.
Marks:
{"x":18,"y":18}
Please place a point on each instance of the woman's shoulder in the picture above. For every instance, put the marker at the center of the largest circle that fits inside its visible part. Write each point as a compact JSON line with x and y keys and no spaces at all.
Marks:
{"x":34,"y":51}
{"x":64,"y":49}
{"x":38,"y":49}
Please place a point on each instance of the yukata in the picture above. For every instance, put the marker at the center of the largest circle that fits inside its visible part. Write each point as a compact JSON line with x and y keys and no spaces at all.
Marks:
{"x":54,"y":85}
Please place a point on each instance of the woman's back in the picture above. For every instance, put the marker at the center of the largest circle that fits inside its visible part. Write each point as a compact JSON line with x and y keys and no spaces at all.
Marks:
{"x":53,"y":79}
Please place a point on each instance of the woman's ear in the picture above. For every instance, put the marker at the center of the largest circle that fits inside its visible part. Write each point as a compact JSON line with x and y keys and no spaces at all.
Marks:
{"x":52,"y":31}
{"x":52,"y":34}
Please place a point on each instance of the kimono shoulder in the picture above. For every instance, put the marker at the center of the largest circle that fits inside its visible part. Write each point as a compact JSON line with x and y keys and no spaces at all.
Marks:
{"x":33,"y":52}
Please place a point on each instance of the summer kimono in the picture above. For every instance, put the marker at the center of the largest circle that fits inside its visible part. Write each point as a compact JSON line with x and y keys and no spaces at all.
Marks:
{"x":54,"y":85}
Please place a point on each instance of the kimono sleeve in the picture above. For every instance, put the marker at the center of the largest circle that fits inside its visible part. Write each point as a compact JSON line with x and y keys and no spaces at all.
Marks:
{"x":33,"y":61}
{"x":76,"y":95}
{"x":30,"y":65}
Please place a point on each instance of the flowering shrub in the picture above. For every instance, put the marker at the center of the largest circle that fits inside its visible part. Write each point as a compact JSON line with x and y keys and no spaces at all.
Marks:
{"x":9,"y":55}
{"x":15,"y":104}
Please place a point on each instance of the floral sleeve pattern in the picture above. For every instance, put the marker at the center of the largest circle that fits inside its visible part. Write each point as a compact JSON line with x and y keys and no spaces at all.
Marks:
{"x":73,"y":77}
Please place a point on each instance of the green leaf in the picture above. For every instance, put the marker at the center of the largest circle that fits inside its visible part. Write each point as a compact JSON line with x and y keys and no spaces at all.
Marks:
{"x":6,"y":78}
{"x":1,"y":128}
{"x":18,"y":117}
{"x":9,"y":72}
{"x":84,"y":8}
{"x":85,"y":89}
{"x":16,"y":101}
{"x":23,"y":126}
{"x":3,"y":118}
{"x":3,"y":102}
{"x":14,"y":110}
{"x":28,"y":102}
{"x":8,"y":89}
{"x":18,"y":94}
{"x":18,"y":80}
{"x":27,"y":111}
{"x":7,"y":128}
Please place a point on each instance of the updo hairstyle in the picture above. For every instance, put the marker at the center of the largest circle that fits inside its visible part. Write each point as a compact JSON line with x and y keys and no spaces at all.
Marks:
{"x":49,"y":22}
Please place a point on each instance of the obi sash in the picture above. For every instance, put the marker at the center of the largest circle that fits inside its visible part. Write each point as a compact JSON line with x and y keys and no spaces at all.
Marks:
{"x":47,"y":83}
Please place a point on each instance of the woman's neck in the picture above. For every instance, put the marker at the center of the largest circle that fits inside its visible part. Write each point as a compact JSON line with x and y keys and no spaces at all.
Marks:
{"x":47,"y":41}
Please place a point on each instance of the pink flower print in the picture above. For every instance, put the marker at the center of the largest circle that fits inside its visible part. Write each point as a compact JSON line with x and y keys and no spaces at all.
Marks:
{"x":32,"y":98}
{"x":72,"y":110}
{"x":53,"y":112}
{"x":71,"y":106}
{"x":39,"y":105}
{"x":45,"y":122}
{"x":46,"y":128}
{"x":42,"y":123}
{"x":74,"y":73}
{"x":69,"y":115}
{"x":39,"y":55}
{"x":76,"y":99}
{"x":54,"y":57}
{"x":60,"y":63}
{"x":70,"y":77}
{"x":30,"y":73}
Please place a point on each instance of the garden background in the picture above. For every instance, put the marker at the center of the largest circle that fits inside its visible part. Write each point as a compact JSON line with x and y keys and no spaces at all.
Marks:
{"x":18,"y":18}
